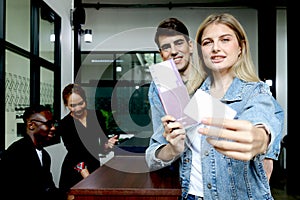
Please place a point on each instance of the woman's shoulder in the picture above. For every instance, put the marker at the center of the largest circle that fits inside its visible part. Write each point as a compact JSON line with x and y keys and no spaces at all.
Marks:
{"x":248,"y":86}
{"x":65,"y":123}
{"x":66,"y":118}
{"x":258,"y":87}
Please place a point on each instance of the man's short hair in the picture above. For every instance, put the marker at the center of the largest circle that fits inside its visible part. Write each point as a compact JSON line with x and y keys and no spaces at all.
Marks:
{"x":171,"y":27}
{"x":32,"y":110}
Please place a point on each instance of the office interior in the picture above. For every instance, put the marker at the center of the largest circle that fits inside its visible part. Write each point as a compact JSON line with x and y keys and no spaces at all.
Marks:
{"x":43,"y":48}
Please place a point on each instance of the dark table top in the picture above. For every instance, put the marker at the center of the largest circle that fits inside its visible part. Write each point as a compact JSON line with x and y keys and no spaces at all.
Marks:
{"x":135,"y":145}
{"x":128,"y":175}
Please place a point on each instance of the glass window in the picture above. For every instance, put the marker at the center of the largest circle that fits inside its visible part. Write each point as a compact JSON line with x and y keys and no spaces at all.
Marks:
{"x":120,"y":90}
{"x":47,"y":94}
{"x":26,"y":82}
{"x":47,"y":37}
{"x":18,"y":23}
{"x":47,"y":87}
{"x":125,"y":65}
{"x":17,"y":92}
{"x":158,"y":58}
{"x":96,"y":67}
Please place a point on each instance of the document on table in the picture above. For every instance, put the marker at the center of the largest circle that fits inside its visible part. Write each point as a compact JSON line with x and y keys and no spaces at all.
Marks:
{"x":172,"y":91}
{"x":104,"y":158}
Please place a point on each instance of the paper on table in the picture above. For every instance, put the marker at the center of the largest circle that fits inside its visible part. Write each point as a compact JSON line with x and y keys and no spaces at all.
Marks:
{"x":125,"y":136}
{"x":172,"y":91}
{"x":104,"y":158}
{"x":203,"y":105}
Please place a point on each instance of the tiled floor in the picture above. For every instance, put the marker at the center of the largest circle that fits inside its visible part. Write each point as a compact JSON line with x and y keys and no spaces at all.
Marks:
{"x":278,"y":186}
{"x":278,"y":183}
{"x":280,"y":194}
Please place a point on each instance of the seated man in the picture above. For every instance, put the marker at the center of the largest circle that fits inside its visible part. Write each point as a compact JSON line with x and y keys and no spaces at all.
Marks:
{"x":25,"y":164}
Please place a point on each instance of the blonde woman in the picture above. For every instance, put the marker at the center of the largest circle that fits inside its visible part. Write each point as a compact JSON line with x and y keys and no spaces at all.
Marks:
{"x":229,"y":166}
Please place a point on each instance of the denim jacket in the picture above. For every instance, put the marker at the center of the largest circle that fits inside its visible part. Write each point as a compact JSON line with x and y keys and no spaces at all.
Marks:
{"x":225,"y":178}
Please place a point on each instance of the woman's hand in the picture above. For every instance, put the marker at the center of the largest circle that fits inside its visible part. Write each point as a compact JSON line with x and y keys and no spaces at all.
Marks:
{"x":237,"y":139}
{"x":111,"y":142}
{"x":84,"y":172}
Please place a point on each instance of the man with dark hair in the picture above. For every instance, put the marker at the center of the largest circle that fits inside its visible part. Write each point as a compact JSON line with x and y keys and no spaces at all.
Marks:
{"x":171,"y":27}
{"x":173,"y":41}
{"x":26,"y":164}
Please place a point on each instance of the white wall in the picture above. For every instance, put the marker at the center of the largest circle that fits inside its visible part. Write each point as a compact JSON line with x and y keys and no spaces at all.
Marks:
{"x":62,"y":8}
{"x":281,"y":68}
{"x":133,"y":29}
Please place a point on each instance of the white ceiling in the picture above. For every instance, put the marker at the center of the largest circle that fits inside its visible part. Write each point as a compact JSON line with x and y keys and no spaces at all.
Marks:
{"x":153,"y":1}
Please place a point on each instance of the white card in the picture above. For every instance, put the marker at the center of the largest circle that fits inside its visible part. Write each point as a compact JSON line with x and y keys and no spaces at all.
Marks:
{"x":203,"y":105}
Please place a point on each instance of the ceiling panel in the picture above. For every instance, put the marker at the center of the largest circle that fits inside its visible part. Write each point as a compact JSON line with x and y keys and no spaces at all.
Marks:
{"x":181,"y":3}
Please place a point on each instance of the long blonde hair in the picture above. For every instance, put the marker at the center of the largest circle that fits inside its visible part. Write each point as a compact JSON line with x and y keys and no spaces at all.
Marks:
{"x":244,"y":68}
{"x":196,"y":74}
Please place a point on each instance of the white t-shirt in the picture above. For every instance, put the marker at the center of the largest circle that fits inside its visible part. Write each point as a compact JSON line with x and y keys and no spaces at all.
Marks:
{"x":39,"y":153}
{"x":196,"y":181}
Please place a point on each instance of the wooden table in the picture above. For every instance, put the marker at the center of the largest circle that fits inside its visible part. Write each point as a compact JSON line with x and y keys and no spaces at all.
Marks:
{"x":127,"y":177}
